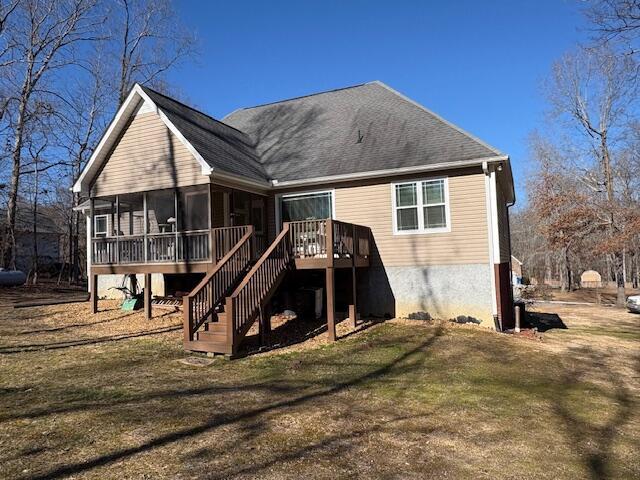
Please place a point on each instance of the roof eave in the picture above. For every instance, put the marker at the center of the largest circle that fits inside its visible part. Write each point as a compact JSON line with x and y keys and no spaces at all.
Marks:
{"x":389,"y":172}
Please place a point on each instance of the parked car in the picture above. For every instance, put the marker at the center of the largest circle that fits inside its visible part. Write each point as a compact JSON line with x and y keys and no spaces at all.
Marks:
{"x":633,"y":304}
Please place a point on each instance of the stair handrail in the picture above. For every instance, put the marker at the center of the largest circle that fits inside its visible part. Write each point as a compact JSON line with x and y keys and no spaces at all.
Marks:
{"x":227,"y":271}
{"x":245,"y":302}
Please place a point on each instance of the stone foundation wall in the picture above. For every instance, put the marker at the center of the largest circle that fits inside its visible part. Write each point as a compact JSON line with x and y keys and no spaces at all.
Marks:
{"x":461,"y":292}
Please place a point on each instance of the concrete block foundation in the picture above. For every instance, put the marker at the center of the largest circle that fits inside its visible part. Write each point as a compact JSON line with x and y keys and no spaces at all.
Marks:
{"x":461,"y":292}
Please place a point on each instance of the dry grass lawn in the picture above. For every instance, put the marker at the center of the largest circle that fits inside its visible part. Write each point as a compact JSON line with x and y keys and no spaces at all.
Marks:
{"x":106,"y":396}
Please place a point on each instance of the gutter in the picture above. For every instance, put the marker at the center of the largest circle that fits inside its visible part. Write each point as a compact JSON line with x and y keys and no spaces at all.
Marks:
{"x":391,"y":171}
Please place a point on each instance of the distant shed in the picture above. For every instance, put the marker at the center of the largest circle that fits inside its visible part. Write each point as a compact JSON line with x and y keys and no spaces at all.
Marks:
{"x":590,"y":279}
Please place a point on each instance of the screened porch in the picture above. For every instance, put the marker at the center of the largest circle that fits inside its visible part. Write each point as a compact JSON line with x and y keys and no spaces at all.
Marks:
{"x":193,"y":224}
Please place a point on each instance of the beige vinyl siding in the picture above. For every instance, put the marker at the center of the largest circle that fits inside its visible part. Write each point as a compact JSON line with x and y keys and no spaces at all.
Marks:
{"x":503,"y":228}
{"x":466,"y":243}
{"x":148,"y":157}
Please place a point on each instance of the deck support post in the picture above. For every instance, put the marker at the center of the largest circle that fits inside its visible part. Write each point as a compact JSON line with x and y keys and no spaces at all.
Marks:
{"x":94,"y":293}
{"x":231,"y":328}
{"x":265,"y":326}
{"x":353,"y":308}
{"x":331,"y":307}
{"x":147,"y":296}
{"x":187,"y":319}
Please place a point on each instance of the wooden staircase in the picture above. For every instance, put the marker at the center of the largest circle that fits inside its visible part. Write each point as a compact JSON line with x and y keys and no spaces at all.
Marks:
{"x":223,"y":307}
{"x":219,"y":312}
{"x":205,"y":324}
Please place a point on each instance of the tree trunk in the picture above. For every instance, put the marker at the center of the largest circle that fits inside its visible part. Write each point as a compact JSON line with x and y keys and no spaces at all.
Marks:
{"x":620,"y":293}
{"x":35,"y":265}
{"x":618,"y":256}
{"x":566,"y":271}
{"x":76,"y":236}
{"x":9,"y":254}
{"x":70,"y":250}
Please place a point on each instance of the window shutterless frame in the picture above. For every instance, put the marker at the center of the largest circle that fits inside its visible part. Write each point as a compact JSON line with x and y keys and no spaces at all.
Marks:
{"x":280,"y":196}
{"x":420,"y":206}
{"x":99,"y":232}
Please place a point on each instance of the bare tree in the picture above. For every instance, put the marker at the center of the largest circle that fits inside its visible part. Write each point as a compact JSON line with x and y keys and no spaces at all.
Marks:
{"x":592,"y":92}
{"x":147,"y":40}
{"x":87,"y":108}
{"x":565,"y":216}
{"x":616,"y":21}
{"x":45,"y":34}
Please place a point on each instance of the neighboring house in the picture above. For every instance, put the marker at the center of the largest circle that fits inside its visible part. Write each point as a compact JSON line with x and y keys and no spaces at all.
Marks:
{"x":380,"y":195}
{"x":48,"y":236}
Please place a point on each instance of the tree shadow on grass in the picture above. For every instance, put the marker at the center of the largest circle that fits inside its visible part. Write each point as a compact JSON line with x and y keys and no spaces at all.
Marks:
{"x":594,"y":438}
{"x":395,"y":366}
{"x":82,"y":406}
{"x":297,"y":331}
{"x":333,"y":446}
{"x":35,"y":347}
{"x":588,"y":398}
{"x":73,"y":325}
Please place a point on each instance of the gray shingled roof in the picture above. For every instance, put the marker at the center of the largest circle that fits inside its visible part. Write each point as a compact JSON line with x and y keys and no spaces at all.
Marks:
{"x":356,"y":129}
{"x":222,"y":147}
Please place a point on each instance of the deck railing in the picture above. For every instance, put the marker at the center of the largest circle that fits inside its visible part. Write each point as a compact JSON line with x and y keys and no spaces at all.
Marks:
{"x":308,"y":238}
{"x":169,"y":247}
{"x":245,"y":303}
{"x":328,"y":238}
{"x":202,"y":302}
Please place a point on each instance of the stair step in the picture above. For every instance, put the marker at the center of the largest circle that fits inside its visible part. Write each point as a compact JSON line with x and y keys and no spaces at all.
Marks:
{"x":215,"y":327}
{"x":212,"y":337}
{"x":206,"y":346}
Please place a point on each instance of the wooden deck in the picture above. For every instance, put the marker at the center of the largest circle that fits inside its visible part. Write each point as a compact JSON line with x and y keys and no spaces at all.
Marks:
{"x":241,"y":277}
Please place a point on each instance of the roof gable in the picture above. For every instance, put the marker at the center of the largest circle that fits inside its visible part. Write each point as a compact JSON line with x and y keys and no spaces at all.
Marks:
{"x":147,"y":156}
{"x":137,"y":96}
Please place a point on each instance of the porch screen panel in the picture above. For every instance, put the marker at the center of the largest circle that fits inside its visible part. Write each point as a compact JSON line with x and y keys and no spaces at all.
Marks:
{"x":161,"y":211}
{"x":131,"y":214}
{"x":311,"y":206}
{"x":194,"y":209}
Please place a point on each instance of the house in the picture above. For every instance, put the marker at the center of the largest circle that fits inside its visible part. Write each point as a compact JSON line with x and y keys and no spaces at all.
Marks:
{"x":47,"y":237}
{"x":388,"y":207}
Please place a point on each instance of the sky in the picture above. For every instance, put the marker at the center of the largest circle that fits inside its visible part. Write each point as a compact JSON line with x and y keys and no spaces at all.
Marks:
{"x":479,"y":64}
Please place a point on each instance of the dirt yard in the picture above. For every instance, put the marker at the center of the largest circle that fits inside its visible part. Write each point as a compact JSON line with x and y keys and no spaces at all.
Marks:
{"x":108,"y":396}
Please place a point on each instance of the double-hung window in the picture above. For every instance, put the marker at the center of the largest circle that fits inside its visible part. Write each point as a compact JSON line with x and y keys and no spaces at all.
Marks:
{"x":421,"y":206}
{"x":101,"y":226}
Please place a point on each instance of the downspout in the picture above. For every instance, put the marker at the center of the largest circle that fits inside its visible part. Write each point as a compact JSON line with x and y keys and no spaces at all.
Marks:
{"x":489,"y":207}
